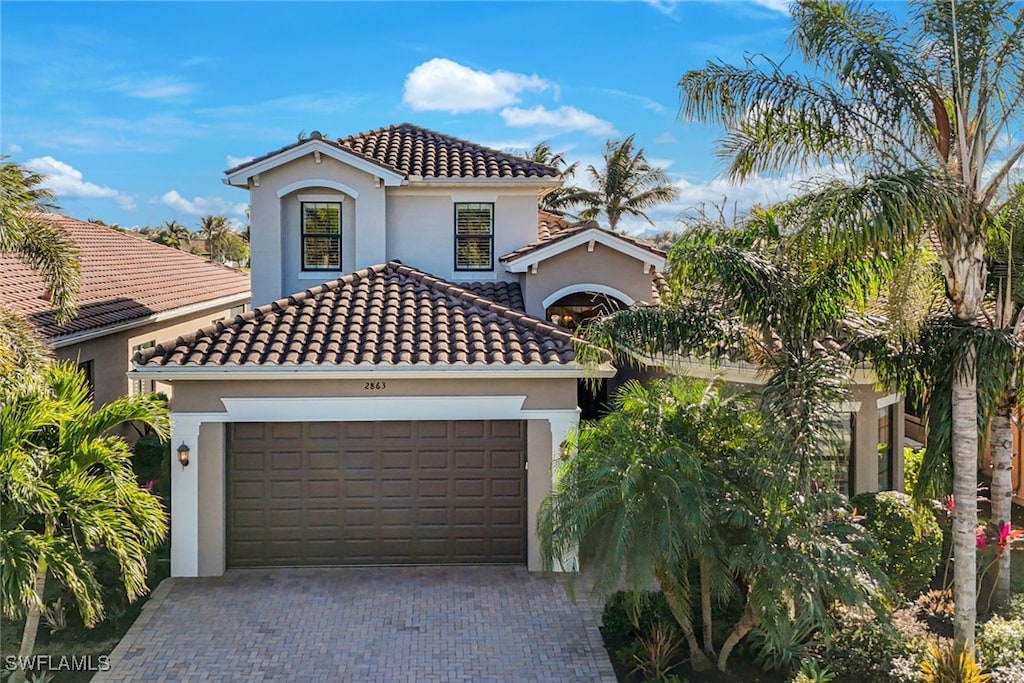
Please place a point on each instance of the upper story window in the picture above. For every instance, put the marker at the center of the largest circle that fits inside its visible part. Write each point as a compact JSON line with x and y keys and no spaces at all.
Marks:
{"x":474,"y":236}
{"x":321,"y":236}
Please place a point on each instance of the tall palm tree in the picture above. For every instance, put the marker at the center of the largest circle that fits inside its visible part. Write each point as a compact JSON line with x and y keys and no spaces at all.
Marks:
{"x":42,"y":247}
{"x":627,"y":186}
{"x":918,"y":115}
{"x":214,"y":229}
{"x":555,"y":201}
{"x":68,"y":487}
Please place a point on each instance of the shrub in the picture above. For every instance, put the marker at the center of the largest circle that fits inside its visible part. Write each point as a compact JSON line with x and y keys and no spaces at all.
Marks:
{"x":909,"y":539}
{"x":862,"y":646}
{"x":629,"y":615}
{"x":912,"y":459}
{"x":950,"y":664}
{"x":813,"y":672}
{"x":1000,"y":643}
{"x":785,"y":644}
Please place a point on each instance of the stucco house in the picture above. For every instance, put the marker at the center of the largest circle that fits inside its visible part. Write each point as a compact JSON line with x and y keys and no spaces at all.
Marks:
{"x":405,"y":381}
{"x":134,"y":293}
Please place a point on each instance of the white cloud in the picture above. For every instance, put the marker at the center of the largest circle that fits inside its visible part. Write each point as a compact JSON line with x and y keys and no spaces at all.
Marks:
{"x":13,"y":148}
{"x":443,"y":85}
{"x":153,"y":88}
{"x":562,"y":119}
{"x":66,"y":181}
{"x":237,"y":161}
{"x":668,"y":7}
{"x":665,"y":139}
{"x":200,"y":206}
{"x":781,"y":6}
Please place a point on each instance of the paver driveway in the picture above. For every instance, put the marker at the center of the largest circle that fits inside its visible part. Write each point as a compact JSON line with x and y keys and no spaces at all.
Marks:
{"x":370,"y":624}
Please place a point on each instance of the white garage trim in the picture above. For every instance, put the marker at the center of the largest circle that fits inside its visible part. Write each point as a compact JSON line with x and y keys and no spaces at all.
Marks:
{"x":587,"y":288}
{"x":185,"y":429}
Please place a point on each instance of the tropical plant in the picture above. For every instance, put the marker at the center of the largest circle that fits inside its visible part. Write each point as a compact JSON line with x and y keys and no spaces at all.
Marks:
{"x":951,"y":664}
{"x":909,"y":539}
{"x":918,"y":117}
{"x":554,"y":201}
{"x":678,"y":477}
{"x":172,"y":234}
{"x":69,"y":489}
{"x":627,"y":186}
{"x":215,"y":230}
{"x":42,"y":247}
{"x":812,"y":672}
{"x":1001,"y":642}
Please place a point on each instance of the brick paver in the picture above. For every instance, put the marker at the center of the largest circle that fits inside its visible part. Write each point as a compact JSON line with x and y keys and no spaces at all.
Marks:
{"x":371,"y":624}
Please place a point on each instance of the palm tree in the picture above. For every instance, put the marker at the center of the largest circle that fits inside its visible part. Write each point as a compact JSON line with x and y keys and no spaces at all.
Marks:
{"x":68,"y":488}
{"x":214,"y":229}
{"x":918,"y":115}
{"x":172,"y":234}
{"x":42,"y":247}
{"x":628,"y":185}
{"x":676,"y":477}
{"x":554,"y":201}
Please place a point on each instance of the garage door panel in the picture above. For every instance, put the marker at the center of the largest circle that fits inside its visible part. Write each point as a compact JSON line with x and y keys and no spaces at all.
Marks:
{"x":376,"y":493}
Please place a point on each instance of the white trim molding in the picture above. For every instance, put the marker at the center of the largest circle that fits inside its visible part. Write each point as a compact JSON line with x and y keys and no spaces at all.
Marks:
{"x":185,"y":497}
{"x":318,"y":182}
{"x":585,"y":288}
{"x":888,"y":400}
{"x":523,"y":263}
{"x":241,"y":176}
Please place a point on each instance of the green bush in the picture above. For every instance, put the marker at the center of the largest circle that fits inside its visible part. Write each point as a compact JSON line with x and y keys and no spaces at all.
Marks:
{"x":862,"y":647}
{"x":1000,"y":643}
{"x":629,"y":615}
{"x":912,"y":459}
{"x":909,"y":539}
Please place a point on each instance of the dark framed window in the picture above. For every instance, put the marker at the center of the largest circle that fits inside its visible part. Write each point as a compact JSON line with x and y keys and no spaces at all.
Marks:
{"x":886,"y":446}
{"x":86,"y":368}
{"x":474,"y":236}
{"x":142,"y":386}
{"x":846,"y":447}
{"x":321,"y":235}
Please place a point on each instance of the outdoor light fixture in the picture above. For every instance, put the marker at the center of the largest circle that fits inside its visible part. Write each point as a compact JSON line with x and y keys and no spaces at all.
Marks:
{"x":183,"y":452}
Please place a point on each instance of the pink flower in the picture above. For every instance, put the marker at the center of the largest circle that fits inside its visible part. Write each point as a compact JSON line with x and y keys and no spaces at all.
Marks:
{"x":979,"y":538}
{"x":149,"y":484}
{"x":950,"y":505}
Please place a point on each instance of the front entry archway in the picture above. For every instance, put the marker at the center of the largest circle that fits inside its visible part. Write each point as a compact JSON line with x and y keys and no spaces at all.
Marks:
{"x":571,"y":311}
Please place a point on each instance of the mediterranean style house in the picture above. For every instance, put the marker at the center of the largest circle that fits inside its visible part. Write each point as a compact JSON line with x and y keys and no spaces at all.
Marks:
{"x":134,"y":293}
{"x":402,"y":389}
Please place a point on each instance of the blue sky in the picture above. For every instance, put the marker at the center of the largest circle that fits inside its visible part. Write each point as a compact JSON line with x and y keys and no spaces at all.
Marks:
{"x":136,"y":109}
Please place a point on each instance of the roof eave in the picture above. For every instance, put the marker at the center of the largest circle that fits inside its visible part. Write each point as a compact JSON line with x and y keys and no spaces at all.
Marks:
{"x":263,"y":372}
{"x":240,"y":175}
{"x":522,"y":263}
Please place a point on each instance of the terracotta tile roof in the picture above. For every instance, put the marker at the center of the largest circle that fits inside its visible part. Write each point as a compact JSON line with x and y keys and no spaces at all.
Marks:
{"x":507,"y":294}
{"x":552,"y":229}
{"x":124,"y":278}
{"x":414,"y":151}
{"x":388,"y":314}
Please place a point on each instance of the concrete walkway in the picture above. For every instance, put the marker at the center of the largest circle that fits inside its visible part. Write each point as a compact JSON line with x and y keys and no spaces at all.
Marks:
{"x":373,"y":624}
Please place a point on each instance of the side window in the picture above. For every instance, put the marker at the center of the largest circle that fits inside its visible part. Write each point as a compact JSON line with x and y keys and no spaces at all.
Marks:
{"x":474,"y":236}
{"x":321,"y":235}
{"x":140,"y":386}
{"x":86,"y":368}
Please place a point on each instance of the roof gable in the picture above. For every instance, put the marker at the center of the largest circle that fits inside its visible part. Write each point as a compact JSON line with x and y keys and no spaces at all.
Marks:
{"x":409,"y":152}
{"x":556,"y":236}
{"x":385,"y":315}
{"x":125,"y":279}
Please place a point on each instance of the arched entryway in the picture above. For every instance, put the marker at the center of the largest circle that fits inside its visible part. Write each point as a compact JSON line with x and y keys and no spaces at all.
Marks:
{"x":572,"y":309}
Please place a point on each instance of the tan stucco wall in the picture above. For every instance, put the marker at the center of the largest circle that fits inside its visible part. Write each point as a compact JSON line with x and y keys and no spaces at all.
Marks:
{"x":275,"y":224}
{"x":204,"y":397}
{"x":603,"y":266}
{"x":866,"y":467}
{"x":421,"y":227}
{"x":111,"y":355}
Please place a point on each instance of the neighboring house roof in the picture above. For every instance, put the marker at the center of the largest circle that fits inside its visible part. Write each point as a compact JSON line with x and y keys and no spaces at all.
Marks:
{"x":125,"y":279}
{"x":416,"y":153}
{"x":556,"y":235}
{"x":385,"y":315}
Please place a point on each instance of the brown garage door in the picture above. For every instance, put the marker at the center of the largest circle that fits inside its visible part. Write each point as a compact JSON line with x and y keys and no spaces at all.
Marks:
{"x":343,"y":493}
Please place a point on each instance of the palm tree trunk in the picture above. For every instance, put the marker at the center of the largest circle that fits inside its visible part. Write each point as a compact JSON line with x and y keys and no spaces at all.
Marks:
{"x":742,"y":628}
{"x":965,"y":498}
{"x":28,"y":636}
{"x":705,"y":606}
{"x":1002,"y":491}
{"x":698,"y":659}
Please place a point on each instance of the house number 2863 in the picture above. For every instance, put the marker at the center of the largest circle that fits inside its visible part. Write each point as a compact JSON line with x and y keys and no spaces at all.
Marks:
{"x":374,"y":386}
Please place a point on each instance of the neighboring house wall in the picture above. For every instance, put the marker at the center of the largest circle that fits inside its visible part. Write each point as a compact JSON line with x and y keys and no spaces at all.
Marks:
{"x":198,"y":545}
{"x":421,"y":226}
{"x":572,"y":270}
{"x":111,"y":354}
{"x":275,"y":224}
